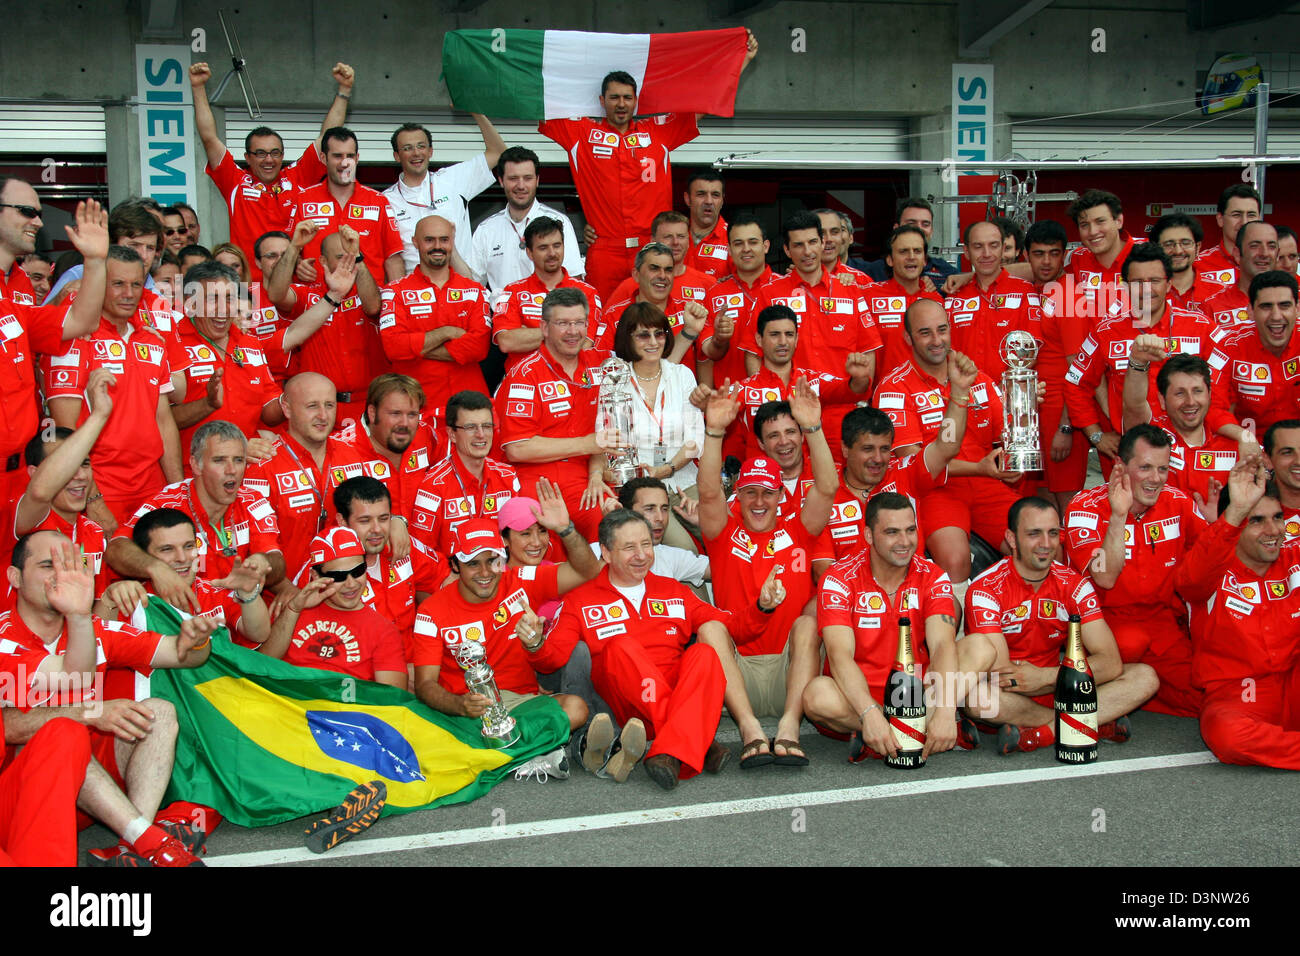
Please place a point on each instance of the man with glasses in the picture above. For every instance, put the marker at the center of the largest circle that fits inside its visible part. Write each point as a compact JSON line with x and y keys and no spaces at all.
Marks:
{"x":444,"y":192}
{"x":175,"y":236}
{"x":1180,"y":236}
{"x":328,"y":625}
{"x":263,"y":198}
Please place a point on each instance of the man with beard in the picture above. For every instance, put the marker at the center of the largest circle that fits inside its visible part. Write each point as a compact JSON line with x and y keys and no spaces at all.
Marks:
{"x":1016,"y":615}
{"x":435,"y":326}
{"x":499,"y":253}
{"x":1180,"y":236}
{"x":340,"y":200}
{"x":395,"y":441}
{"x":235,"y":524}
{"x":517,"y":310}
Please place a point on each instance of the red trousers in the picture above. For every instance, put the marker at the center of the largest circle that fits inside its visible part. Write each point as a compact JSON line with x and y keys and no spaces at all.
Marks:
{"x":681,"y":708}
{"x":1159,"y":640}
{"x":608,"y":264}
{"x":38,"y":797}
{"x":1262,"y":729}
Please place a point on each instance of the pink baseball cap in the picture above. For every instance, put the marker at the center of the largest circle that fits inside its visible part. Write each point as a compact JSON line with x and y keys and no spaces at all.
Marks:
{"x":764,"y":472}
{"x":334,"y":543}
{"x":517,"y":514}
{"x":475,"y":536}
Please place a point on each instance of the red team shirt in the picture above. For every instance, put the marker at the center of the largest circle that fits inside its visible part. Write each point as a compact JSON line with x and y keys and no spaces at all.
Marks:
{"x":1215,"y":267}
{"x":256,"y":208}
{"x":402,"y":481}
{"x":334,"y":349}
{"x":519,"y":306}
{"x":1227,"y":307}
{"x":981,"y":319}
{"x":691,"y":286}
{"x":1260,"y":386}
{"x":450,"y":495}
{"x":366,"y":211}
{"x":117,"y":646}
{"x":850,"y":597}
{"x":733,"y":298}
{"x":766,"y":386}
{"x":447,"y":621}
{"x":357,"y":642}
{"x":249,"y":525}
{"x":624,"y":179}
{"x":712,"y":254}
{"x":888,"y":301}
{"x":833,"y":319}
{"x":247,"y":384}
{"x":1192,"y":467}
{"x":908,"y":476}
{"x":1033,"y":621}
{"x":1092,"y":279}
{"x":414,"y":306}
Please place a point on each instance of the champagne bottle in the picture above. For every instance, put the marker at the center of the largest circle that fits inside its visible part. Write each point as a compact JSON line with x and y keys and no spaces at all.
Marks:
{"x":904,"y":705}
{"x":1075,"y":701}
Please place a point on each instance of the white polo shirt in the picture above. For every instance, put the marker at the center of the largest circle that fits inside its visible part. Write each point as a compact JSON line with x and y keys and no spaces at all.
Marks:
{"x":498,"y":258}
{"x":445,"y":192}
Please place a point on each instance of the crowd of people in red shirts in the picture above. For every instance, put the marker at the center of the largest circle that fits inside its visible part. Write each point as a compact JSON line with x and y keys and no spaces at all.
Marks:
{"x":292,"y":436}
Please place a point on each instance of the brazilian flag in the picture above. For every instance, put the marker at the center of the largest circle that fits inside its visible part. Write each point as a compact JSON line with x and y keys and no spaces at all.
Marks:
{"x":263,"y":741}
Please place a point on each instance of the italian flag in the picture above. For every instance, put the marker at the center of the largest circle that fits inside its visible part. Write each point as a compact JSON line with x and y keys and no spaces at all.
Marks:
{"x":553,"y":74}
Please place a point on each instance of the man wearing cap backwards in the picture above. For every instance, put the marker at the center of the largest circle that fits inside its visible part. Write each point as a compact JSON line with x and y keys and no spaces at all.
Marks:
{"x":486,"y":601}
{"x":637,"y":626}
{"x":327,"y":624}
{"x":763,"y":563}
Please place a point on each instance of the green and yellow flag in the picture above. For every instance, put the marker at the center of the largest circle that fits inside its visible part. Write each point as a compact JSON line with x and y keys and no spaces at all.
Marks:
{"x":263,"y":741}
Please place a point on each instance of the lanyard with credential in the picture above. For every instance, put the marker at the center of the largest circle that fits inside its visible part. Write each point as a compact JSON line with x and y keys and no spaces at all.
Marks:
{"x":315,"y":492}
{"x":477,"y":506}
{"x":224,"y":538}
{"x":657,"y":419}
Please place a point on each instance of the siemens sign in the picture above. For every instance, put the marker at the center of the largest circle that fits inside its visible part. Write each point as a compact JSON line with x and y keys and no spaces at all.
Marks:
{"x":166,"y":109}
{"x":972,"y":112}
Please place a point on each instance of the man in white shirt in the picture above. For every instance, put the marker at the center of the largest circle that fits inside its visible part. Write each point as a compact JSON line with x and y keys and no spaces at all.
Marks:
{"x":498,"y":255}
{"x":445,"y":192}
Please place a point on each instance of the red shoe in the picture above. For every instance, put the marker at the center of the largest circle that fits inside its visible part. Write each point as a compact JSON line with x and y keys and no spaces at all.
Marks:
{"x":968,"y":735}
{"x":1116,"y":731}
{"x":1023,"y":739}
{"x":171,"y":852}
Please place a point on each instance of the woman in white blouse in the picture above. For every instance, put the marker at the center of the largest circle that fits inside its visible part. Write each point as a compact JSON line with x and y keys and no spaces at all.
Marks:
{"x":667,"y":430}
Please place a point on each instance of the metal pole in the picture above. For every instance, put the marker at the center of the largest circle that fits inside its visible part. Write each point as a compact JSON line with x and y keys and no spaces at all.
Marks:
{"x":1261,"y":139}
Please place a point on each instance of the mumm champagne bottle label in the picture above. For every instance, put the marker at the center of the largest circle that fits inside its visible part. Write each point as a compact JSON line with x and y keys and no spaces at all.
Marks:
{"x":1075,"y":702}
{"x":904,"y":705}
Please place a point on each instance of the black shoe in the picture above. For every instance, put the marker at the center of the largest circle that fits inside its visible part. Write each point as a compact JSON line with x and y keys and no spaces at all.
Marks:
{"x":359,"y":810}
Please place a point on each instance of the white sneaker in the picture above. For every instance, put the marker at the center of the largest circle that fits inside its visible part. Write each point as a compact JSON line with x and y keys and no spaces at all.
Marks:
{"x":554,"y":764}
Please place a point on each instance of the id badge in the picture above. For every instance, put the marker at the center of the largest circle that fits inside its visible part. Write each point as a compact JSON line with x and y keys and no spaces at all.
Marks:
{"x":661,"y":455}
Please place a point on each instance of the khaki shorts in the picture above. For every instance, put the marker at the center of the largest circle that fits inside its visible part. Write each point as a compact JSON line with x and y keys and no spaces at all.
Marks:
{"x":764,"y":676}
{"x":513,"y":700}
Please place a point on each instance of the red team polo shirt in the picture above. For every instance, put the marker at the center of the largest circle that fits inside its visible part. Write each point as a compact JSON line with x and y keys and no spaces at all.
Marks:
{"x":908,"y":476}
{"x":265,"y":322}
{"x":366,"y":211}
{"x":1154,"y":544}
{"x":850,"y":597}
{"x":449,"y":495}
{"x":392,"y":586}
{"x":887,"y":302}
{"x":250,"y":526}
{"x":1033,"y":622}
{"x":247,"y":384}
{"x":402,"y":481}
{"x":731,"y":297}
{"x":1090,"y":276}
{"x":447,"y":620}
{"x":1191,"y":468}
{"x":25,"y":332}
{"x":741,"y":560}
{"x":256,"y":208}
{"x":1104,"y":354}
{"x":1260,"y":386}
{"x":414,"y":306}
{"x":766,"y":386}
{"x":624,"y":179}
{"x":915,"y":402}
{"x":669,"y":613}
{"x":691,"y":286}
{"x":1227,"y":307}
{"x":1194,"y":299}
{"x":128,"y":449}
{"x":117,"y":646}
{"x":301,"y":494}
{"x":833,"y":319}
{"x":339,"y":349}
{"x":357,"y":642}
{"x":538,"y":398}
{"x":981,"y":319}
{"x":712,"y":254}
{"x":1215,"y":267}
{"x":519,"y":306}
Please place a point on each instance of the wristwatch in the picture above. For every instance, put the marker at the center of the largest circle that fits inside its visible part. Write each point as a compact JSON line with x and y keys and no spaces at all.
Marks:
{"x":1095,"y":439}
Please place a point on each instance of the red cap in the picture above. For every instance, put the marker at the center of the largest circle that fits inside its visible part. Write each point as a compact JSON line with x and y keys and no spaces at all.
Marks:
{"x":334,"y":543}
{"x":764,"y":472}
{"x":477,"y":535}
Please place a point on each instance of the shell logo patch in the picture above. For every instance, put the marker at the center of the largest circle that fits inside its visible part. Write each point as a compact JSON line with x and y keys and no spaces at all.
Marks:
{"x":875,"y":603}
{"x":474,"y":634}
{"x":616,"y":612}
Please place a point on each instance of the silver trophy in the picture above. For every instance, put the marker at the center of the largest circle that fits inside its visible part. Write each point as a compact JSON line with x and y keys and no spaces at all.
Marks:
{"x":1021,"y":446}
{"x":499,"y":729}
{"x":614,"y":417}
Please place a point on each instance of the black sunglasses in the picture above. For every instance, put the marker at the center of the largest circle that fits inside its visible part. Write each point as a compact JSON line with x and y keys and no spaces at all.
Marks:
{"x":340,"y":576}
{"x":28,"y":212}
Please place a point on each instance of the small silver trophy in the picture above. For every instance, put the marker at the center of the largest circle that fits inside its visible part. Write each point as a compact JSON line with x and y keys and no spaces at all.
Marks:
{"x":499,"y":729}
{"x":614,"y":417}
{"x":1022,"y":450}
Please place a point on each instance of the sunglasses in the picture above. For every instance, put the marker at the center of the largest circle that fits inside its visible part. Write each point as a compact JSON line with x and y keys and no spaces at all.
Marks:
{"x":27,"y":212}
{"x":340,"y":576}
{"x":175,"y":232}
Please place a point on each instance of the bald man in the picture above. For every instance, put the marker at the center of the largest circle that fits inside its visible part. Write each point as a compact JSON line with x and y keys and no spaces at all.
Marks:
{"x":346,"y":348}
{"x":305,"y":466}
{"x":435,"y":325}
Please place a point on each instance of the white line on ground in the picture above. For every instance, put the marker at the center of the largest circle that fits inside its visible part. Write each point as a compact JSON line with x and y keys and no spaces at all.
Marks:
{"x":415,"y":841}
